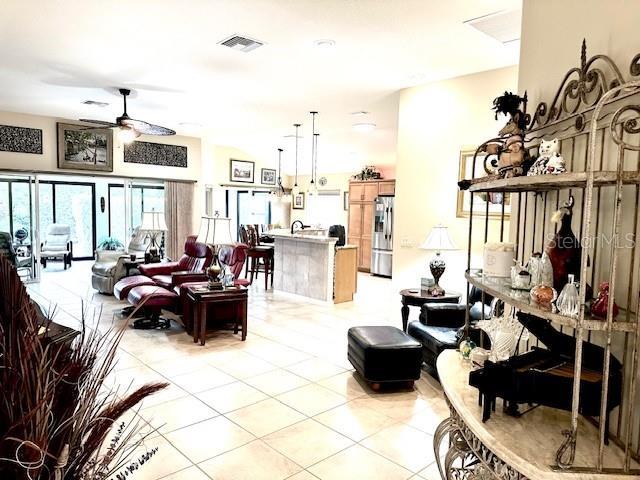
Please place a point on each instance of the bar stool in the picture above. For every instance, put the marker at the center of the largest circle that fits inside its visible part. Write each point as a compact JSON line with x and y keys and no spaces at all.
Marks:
{"x":260,"y":258}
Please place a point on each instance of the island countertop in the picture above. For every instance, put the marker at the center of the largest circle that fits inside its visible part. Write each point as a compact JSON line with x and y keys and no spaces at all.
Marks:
{"x":302,"y":237}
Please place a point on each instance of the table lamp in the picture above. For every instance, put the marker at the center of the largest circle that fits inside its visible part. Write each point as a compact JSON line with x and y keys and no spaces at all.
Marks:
{"x":154,"y":224}
{"x":215,"y":231}
{"x":438,"y":240}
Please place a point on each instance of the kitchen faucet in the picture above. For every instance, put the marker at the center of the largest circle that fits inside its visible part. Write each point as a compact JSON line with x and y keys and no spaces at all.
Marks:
{"x":302,"y":225}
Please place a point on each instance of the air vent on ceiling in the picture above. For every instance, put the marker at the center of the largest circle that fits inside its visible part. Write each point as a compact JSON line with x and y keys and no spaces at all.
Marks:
{"x":95,"y":103}
{"x":503,"y":26}
{"x":242,"y":44}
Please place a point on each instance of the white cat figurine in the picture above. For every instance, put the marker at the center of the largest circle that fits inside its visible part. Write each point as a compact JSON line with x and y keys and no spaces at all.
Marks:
{"x":549,"y":160}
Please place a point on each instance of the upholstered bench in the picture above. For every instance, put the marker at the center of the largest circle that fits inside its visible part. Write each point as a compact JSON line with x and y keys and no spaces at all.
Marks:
{"x":122,"y":288}
{"x":384,"y":354}
{"x":152,"y":299}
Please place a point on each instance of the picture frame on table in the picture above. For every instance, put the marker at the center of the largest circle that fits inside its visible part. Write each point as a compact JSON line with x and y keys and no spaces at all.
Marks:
{"x":267,"y":176}
{"x":480,"y":199}
{"x":298,"y":201}
{"x":84,"y":148}
{"x":241,"y":171}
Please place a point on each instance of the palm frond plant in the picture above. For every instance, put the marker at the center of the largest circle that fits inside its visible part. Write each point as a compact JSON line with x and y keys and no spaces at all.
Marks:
{"x":55,"y":410}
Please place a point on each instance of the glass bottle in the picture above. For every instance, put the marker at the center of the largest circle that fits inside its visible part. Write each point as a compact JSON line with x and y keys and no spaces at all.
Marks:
{"x":568,"y":300}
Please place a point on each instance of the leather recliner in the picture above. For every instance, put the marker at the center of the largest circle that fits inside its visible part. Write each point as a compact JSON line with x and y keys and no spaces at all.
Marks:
{"x":109,"y":266}
{"x":441,"y":326}
{"x":189,"y":268}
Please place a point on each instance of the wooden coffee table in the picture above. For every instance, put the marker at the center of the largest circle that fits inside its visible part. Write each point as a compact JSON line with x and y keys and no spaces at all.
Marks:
{"x":415,"y":298}
{"x":229,"y":306}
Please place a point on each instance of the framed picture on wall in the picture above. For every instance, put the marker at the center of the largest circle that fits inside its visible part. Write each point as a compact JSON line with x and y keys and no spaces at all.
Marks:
{"x":480,"y":199}
{"x":85,"y":149}
{"x":298,"y":201}
{"x":345,"y":200}
{"x":268,"y":176}
{"x":241,"y":171}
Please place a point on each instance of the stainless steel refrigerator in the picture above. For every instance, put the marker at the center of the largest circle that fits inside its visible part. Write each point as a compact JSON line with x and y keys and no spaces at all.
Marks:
{"x":382,"y":237}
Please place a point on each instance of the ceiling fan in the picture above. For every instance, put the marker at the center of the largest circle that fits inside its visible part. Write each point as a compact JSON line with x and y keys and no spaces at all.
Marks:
{"x":129,"y":128}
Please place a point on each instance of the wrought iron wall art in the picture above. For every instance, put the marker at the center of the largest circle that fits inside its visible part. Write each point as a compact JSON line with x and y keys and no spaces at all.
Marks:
{"x":160,"y":154}
{"x":20,"y":139}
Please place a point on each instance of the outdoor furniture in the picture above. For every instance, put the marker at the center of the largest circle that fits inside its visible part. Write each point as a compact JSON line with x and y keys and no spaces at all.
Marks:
{"x":57,"y":245}
{"x":21,"y":262}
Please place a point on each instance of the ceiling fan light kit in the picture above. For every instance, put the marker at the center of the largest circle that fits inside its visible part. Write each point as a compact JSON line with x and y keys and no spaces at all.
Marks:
{"x":130,"y":128}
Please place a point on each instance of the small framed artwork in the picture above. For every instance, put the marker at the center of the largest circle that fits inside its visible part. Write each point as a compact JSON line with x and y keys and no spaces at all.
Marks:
{"x":268,"y":176}
{"x":85,"y":148}
{"x":494,"y":199}
{"x":298,"y":201}
{"x":345,"y":200}
{"x":241,"y":171}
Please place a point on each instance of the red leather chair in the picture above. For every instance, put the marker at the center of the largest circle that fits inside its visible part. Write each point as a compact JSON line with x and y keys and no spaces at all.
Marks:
{"x":234,"y":257}
{"x":190,"y":268}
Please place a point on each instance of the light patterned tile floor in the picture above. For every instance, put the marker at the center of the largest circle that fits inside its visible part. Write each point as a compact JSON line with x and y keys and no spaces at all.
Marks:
{"x":284,"y":404}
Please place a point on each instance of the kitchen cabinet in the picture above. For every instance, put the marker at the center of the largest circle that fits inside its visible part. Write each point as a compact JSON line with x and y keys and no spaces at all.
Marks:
{"x":362,"y":196}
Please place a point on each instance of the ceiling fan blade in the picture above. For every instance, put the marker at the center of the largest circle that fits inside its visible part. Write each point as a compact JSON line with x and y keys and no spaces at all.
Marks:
{"x":100,"y":122}
{"x":147,"y":128}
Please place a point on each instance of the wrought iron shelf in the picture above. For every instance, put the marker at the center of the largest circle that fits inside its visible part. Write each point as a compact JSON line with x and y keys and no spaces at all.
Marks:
{"x":543,"y":183}
{"x":520,"y":299}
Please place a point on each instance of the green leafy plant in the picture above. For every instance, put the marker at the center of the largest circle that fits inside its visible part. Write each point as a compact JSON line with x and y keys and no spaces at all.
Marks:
{"x":110,"y":243}
{"x":55,"y":410}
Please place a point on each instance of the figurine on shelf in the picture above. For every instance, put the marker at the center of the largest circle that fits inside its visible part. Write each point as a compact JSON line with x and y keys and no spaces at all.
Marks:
{"x":600,"y":305}
{"x":549,"y":161}
{"x":505,"y":332}
{"x":511,"y":157}
{"x":564,"y":249}
{"x":543,"y":296}
{"x":541,"y":269}
{"x":509,"y":104}
{"x":520,"y":277}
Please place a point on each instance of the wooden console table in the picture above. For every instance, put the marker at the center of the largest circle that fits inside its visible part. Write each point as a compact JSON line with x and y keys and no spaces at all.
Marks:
{"x":225,"y":305}
{"x":505,"y":447}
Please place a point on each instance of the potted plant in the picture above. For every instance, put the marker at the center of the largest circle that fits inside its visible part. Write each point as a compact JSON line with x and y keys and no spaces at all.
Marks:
{"x":110,"y":243}
{"x":55,"y":412}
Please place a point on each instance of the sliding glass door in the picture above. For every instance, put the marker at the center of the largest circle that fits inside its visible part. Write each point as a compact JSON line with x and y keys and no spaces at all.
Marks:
{"x":73,"y":204}
{"x":142,"y":198}
{"x":253,"y":208}
{"x":18,"y":230}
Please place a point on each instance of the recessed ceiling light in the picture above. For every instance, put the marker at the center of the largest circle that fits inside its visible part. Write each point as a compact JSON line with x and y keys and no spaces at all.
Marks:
{"x":364,"y":127}
{"x":95,"y":103}
{"x":324,"y":43}
{"x":360,"y":113}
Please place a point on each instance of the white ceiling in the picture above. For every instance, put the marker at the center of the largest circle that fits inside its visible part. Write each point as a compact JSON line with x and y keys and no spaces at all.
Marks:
{"x":55,"y":54}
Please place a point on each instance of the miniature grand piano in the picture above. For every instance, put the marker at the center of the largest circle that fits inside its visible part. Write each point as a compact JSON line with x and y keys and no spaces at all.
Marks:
{"x":545,"y":376}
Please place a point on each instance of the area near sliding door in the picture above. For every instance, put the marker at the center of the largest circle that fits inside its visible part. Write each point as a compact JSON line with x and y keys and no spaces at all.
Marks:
{"x":144,"y":197}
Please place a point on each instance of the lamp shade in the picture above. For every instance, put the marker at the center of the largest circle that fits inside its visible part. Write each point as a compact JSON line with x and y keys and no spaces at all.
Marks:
{"x":438,"y":239}
{"x":215,"y":231}
{"x":153,"y":222}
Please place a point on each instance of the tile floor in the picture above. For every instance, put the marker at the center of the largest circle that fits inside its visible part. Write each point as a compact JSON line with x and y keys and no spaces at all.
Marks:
{"x":284,"y":404}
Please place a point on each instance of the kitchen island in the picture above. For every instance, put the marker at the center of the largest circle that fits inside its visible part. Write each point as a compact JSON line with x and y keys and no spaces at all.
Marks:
{"x":309,"y":264}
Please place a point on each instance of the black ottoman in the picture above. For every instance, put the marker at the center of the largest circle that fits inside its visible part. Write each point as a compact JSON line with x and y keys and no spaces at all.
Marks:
{"x":384,"y":354}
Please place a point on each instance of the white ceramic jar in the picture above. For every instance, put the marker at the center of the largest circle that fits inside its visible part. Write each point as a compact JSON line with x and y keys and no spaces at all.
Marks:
{"x":498,"y":259}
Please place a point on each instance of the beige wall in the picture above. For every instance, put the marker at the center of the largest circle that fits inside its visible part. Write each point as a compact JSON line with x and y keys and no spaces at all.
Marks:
{"x":48,"y":161}
{"x":436,"y":122}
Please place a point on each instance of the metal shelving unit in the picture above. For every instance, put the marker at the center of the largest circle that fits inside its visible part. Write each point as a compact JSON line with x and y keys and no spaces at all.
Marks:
{"x":596,"y":115}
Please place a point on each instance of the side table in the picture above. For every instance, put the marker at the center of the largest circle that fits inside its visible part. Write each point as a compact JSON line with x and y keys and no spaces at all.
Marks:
{"x":415,"y":298}
{"x":130,"y":264}
{"x":224,"y":305}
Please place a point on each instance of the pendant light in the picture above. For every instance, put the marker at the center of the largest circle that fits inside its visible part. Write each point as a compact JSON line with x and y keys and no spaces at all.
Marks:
{"x":296,"y":189}
{"x":313,"y":187}
{"x":278,"y":190}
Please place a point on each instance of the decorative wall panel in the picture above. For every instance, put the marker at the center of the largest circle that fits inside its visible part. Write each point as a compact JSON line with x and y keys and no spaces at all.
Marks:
{"x":161,"y":154}
{"x":20,"y":139}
